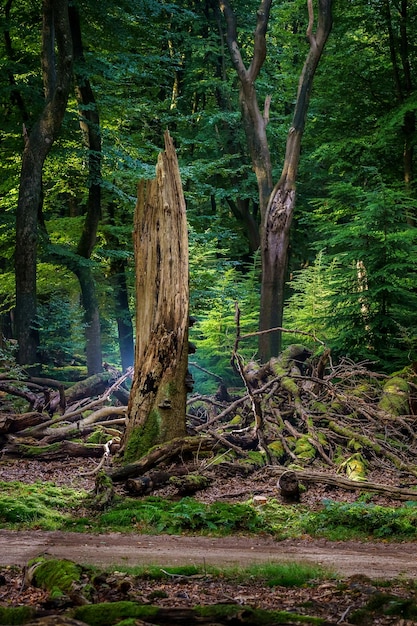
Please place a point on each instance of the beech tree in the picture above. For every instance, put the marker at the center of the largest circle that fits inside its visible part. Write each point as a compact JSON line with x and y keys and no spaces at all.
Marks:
{"x":57,"y":62}
{"x":276,"y":203}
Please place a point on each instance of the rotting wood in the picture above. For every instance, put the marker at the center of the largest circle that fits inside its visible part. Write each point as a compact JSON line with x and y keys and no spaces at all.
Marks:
{"x":153,"y":480}
{"x":398,"y":493}
{"x":157,"y":403}
{"x":21,"y":449}
{"x":179,"y":447}
{"x":289,"y":486}
{"x":189,"y":484}
{"x":11,"y":423}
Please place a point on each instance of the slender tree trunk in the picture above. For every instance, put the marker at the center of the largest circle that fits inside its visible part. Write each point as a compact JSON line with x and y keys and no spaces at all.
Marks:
{"x":400,"y":54}
{"x":57,"y":72}
{"x":254,"y":121}
{"x":90,"y":128}
{"x":123,"y":317}
{"x":89,"y":303}
{"x":275,"y":231}
{"x":118,"y":280}
{"x":276,"y":204}
{"x":157,"y":401}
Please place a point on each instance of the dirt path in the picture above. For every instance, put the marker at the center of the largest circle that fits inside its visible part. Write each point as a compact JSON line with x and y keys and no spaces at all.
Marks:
{"x":376,"y":560}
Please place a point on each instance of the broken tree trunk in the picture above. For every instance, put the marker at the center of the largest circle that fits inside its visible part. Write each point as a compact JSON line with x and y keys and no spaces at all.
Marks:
{"x":157,"y":403}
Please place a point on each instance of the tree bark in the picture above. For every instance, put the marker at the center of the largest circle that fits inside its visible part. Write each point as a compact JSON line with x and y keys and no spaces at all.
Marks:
{"x":117,"y":277}
{"x":90,"y":128}
{"x":89,"y":302}
{"x":275,"y":229}
{"x":53,"y":452}
{"x":57,"y":72}
{"x":157,"y":403}
{"x":253,"y":120}
{"x":289,"y":487}
{"x":276,"y":204}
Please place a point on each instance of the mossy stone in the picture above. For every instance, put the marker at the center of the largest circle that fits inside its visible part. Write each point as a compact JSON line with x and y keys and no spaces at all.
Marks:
{"x":304,"y":449}
{"x":276,"y":449}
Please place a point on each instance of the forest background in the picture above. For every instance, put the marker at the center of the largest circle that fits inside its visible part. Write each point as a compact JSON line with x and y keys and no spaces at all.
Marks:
{"x":141,"y":67}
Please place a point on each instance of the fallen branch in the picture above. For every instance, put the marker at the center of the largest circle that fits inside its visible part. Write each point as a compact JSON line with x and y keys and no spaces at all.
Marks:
{"x":398,"y":493}
{"x":160,"y":454}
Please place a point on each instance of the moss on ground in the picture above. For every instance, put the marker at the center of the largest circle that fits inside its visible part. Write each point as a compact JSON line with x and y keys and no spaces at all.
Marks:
{"x":55,"y":575}
{"x":11,"y":616}
{"x":109,"y":613}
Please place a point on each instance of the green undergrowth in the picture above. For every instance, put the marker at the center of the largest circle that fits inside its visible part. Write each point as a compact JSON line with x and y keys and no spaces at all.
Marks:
{"x":289,"y":574}
{"x":338,"y":521}
{"x":37,"y":505}
{"x":48,"y":507}
{"x":16,"y":615}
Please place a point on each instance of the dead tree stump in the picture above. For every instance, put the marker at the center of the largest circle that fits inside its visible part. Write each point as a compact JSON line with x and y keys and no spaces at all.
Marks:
{"x":289,"y":487}
{"x":157,"y":403}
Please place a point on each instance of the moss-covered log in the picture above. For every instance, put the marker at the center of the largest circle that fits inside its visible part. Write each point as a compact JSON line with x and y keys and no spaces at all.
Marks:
{"x":32,"y":450}
{"x":108,"y":613}
{"x":190,"y":484}
{"x":14,"y":423}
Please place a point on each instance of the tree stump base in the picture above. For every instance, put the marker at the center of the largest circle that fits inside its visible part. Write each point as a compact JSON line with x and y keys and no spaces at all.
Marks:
{"x":289,"y":487}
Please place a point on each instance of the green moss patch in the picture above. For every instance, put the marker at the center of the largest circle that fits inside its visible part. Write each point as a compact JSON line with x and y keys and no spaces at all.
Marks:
{"x":108,"y":613}
{"x":15,"y":615}
{"x":38,"y":504}
{"x":54,"y":575}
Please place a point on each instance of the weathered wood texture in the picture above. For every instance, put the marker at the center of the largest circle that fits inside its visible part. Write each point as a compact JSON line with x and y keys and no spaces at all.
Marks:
{"x":157,"y":403}
{"x":181,"y":448}
{"x":289,"y":486}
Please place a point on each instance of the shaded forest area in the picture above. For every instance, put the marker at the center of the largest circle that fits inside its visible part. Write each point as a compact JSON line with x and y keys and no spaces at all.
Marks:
{"x":337,"y":267}
{"x":350,"y":277}
{"x":302,"y":419}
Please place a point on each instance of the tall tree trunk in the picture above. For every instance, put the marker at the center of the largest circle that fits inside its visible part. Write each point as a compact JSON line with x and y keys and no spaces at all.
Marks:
{"x":122,"y":311}
{"x":89,"y":302}
{"x":57,"y":72}
{"x":254,"y":121}
{"x":275,"y":230}
{"x":118,"y":280}
{"x":276,"y":204}
{"x":90,"y":128}
{"x":157,"y":401}
{"x":400,"y":56}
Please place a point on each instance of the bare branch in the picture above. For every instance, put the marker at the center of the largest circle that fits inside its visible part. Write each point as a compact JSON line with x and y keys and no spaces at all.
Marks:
{"x":231,"y":39}
{"x":259,"y":49}
{"x":309,"y":32}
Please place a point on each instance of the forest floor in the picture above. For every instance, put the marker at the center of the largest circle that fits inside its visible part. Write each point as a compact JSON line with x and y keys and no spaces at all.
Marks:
{"x":359,"y":567}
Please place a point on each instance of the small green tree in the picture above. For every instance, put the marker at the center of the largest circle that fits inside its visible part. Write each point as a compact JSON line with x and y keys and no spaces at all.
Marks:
{"x":373,"y":285}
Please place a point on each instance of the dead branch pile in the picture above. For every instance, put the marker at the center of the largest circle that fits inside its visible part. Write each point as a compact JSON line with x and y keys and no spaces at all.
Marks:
{"x":345,"y":418}
{"x":325,"y":422}
{"x":90,"y":410}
